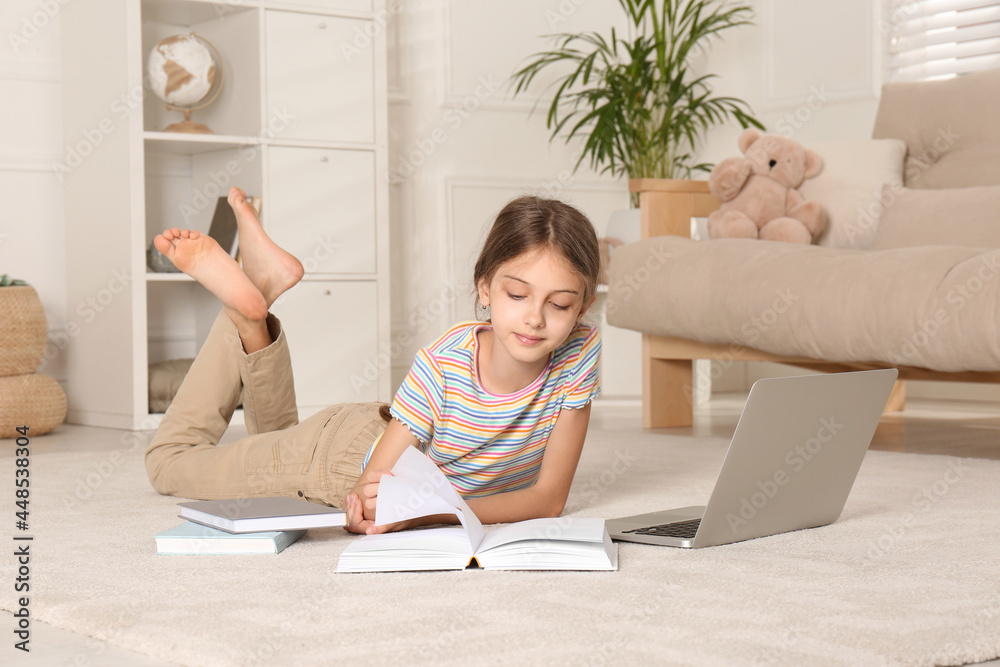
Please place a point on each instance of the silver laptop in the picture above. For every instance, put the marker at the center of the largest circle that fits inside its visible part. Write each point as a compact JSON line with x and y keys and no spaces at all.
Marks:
{"x":792,"y":461}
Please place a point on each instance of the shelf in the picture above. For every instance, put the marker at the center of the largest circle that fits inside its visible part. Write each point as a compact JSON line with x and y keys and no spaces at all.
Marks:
{"x":167,"y":277}
{"x":326,"y":145}
{"x":333,"y":207}
{"x":189,"y":12}
{"x":189,"y":144}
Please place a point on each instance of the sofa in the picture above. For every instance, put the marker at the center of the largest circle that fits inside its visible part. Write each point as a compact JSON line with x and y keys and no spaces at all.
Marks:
{"x":907,"y":274}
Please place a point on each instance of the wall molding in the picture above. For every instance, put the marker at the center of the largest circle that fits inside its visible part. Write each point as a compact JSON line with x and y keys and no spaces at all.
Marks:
{"x":452,"y":98}
{"x":865,"y":89}
{"x":29,"y":163}
{"x":30,"y":71}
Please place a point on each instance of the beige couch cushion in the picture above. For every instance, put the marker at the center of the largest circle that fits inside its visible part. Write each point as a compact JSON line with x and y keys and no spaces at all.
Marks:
{"x":849,"y":188}
{"x":959,"y":216}
{"x":933,"y":307}
{"x":950,"y":128}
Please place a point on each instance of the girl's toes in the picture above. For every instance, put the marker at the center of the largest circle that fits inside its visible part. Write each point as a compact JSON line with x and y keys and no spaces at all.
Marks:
{"x":162,"y":244}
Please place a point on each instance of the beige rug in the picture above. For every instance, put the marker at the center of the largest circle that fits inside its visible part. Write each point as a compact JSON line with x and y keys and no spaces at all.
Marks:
{"x":909,"y":575}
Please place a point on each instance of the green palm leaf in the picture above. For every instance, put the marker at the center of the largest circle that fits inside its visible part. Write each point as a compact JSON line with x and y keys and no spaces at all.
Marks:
{"x":632,"y":100}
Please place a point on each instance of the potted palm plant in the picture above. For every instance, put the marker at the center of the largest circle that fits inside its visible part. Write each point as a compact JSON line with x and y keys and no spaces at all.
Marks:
{"x":633,"y":98}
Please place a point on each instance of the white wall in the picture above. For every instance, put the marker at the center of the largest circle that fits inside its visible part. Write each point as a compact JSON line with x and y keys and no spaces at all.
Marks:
{"x":32,"y":242}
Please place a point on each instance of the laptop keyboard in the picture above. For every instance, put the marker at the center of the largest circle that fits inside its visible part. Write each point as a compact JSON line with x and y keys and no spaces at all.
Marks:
{"x":682,"y":529}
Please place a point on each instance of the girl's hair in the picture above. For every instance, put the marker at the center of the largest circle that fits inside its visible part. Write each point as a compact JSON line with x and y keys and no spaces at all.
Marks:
{"x":533,"y":223}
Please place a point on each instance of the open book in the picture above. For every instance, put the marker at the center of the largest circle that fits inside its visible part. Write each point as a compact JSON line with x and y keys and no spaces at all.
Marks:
{"x":418,"y":488}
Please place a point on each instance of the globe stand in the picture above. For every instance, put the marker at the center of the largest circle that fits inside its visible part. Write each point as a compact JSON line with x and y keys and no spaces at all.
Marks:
{"x":187,"y":125}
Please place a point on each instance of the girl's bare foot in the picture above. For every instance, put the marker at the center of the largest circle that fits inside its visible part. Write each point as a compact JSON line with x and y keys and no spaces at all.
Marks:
{"x":271,"y":269}
{"x":202,"y":258}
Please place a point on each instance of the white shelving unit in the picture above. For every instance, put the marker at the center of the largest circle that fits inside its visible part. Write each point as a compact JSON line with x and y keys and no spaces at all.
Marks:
{"x":301,"y":122}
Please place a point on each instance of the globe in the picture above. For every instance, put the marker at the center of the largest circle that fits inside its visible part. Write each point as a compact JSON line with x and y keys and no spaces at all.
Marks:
{"x":185,"y":71}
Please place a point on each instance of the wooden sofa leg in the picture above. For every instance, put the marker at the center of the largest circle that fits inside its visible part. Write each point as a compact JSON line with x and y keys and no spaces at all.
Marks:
{"x":667,"y":393}
{"x":897,"y":397}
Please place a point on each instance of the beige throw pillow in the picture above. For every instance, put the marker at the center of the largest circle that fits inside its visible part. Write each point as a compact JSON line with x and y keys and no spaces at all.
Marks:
{"x":850,"y":187}
{"x":956,"y":216}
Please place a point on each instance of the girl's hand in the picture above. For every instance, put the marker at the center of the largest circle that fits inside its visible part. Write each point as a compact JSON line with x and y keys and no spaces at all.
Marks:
{"x":361,"y":506}
{"x":362,"y":526}
{"x":356,"y":522}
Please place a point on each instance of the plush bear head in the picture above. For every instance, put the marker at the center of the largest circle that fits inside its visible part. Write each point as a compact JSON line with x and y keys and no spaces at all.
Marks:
{"x":758,"y":192}
{"x":778,"y":157}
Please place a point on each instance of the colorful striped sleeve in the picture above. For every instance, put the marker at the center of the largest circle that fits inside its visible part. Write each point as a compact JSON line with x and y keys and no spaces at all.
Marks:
{"x":584,"y":381}
{"x":419,"y":399}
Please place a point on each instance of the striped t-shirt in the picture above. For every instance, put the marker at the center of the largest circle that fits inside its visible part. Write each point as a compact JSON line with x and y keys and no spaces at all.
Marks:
{"x":488,"y":443}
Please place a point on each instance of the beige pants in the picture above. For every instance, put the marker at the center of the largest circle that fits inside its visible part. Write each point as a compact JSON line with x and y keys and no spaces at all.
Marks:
{"x":319,"y":459}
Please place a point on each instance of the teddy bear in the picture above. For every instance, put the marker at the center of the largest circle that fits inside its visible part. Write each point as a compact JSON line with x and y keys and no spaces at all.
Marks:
{"x":758,"y":191}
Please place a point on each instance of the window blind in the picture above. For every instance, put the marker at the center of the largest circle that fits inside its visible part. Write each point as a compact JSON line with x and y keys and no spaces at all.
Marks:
{"x":936,"y":39}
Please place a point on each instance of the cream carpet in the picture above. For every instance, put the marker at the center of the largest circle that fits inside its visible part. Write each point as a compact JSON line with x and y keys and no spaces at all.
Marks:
{"x":909,"y":575}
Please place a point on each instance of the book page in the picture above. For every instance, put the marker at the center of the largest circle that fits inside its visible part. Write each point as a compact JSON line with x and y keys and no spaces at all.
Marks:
{"x":561,"y":529}
{"x":418,"y":488}
{"x":564,"y":543}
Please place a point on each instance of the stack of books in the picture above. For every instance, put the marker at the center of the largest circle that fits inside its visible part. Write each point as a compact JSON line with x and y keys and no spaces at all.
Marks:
{"x":245,"y":525}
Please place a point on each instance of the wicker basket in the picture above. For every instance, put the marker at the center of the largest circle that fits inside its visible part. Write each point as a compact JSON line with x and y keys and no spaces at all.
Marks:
{"x":36,"y":401}
{"x":24,"y":330}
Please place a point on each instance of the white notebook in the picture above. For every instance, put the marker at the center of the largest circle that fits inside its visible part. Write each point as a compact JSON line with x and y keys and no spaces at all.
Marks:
{"x":250,"y":515}
{"x":192,"y":539}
